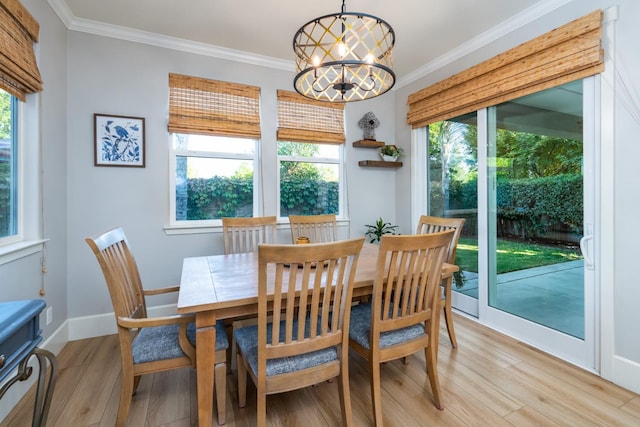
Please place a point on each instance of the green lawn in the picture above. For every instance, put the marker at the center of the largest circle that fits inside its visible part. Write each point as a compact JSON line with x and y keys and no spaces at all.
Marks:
{"x":514,"y":255}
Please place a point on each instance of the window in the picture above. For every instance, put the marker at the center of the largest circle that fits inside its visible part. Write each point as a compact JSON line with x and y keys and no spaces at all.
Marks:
{"x":310,"y":181}
{"x":215,"y":129}
{"x":20,"y":223}
{"x":8,"y":168}
{"x":214,"y":177}
{"x":310,"y":156}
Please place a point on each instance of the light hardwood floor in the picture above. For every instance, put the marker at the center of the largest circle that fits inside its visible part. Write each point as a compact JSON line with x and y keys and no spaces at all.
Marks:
{"x":491,"y":380}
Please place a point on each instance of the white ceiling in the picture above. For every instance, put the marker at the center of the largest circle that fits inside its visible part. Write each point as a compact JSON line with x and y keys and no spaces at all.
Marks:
{"x":426,"y":30}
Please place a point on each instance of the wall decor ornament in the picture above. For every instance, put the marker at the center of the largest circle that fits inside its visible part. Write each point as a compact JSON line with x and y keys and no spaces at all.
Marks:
{"x":368,"y":123}
{"x":119,"y":141}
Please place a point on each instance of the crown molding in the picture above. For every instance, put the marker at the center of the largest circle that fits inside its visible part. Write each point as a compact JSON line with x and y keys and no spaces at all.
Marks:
{"x":525,"y":17}
{"x":123,"y":33}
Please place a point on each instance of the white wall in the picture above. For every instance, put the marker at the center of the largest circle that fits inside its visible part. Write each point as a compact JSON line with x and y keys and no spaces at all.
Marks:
{"x":620,"y":346}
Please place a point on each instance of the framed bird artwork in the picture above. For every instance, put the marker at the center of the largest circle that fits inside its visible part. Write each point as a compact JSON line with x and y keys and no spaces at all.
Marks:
{"x":118,"y":141}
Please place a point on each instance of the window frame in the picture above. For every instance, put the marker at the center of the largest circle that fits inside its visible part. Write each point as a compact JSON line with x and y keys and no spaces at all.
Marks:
{"x":340,"y":161}
{"x":29,"y":238}
{"x":197,"y":226}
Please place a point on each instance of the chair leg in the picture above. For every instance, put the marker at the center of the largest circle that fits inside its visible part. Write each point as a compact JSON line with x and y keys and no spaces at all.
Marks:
{"x":126,"y":393}
{"x":221,"y":391}
{"x":345,"y":394}
{"x":261,"y":413}
{"x":136,"y":381}
{"x":228,"y":327}
{"x":376,"y":393}
{"x":242,"y":381}
{"x":448,"y":313}
{"x":431,"y":357}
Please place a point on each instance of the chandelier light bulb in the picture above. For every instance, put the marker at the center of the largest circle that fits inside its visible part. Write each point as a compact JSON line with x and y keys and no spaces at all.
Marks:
{"x":342,"y":50}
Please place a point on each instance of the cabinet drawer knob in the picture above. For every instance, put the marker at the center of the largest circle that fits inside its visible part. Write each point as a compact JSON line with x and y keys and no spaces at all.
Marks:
{"x":2,"y":360}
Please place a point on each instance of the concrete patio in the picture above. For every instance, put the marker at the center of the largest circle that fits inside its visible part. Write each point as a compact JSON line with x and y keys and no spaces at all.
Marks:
{"x":552,"y":295}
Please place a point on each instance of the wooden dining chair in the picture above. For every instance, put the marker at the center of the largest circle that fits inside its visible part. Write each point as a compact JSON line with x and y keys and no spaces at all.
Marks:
{"x":318,"y":228}
{"x":433,"y":224}
{"x":148,"y":344}
{"x":403,"y":315}
{"x":306,"y":341}
{"x":242,"y":235}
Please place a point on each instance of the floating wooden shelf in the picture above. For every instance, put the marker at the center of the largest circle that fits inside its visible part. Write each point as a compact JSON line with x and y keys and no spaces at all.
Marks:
{"x":368,"y":143}
{"x":379,"y":164}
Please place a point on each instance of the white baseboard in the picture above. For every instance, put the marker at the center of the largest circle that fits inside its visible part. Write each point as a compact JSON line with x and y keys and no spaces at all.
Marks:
{"x":626,"y":373}
{"x":105,"y":324}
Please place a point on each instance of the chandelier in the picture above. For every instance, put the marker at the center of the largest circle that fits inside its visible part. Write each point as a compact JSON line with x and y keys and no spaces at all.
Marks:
{"x":344,"y":57}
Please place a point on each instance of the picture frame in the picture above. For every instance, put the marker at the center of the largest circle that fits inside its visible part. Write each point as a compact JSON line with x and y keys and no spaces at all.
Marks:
{"x":119,"y":141}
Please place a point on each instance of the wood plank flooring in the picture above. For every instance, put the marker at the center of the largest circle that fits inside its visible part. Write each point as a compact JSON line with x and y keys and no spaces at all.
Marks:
{"x":491,"y":380}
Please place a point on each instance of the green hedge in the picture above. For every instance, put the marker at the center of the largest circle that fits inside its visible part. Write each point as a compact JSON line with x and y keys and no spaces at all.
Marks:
{"x":219,"y":197}
{"x":538,"y":205}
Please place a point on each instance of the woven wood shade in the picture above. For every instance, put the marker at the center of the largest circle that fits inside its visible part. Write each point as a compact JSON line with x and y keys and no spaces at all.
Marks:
{"x":566,"y":54}
{"x":302,"y":119}
{"x":19,"y":74}
{"x":211,"y":107}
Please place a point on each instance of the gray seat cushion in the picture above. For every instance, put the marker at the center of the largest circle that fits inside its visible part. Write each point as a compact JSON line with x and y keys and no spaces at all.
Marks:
{"x":161,"y":342}
{"x":360,"y":329}
{"x":247,"y":340}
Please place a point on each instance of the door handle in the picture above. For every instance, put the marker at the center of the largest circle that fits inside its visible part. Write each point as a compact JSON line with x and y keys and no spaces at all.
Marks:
{"x":585,"y":252}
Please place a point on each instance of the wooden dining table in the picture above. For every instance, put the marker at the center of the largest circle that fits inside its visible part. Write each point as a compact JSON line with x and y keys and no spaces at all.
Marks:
{"x":226,"y":286}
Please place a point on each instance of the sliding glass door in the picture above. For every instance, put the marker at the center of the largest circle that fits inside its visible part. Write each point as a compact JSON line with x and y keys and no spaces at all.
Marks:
{"x":453,"y":193}
{"x":521,"y":174}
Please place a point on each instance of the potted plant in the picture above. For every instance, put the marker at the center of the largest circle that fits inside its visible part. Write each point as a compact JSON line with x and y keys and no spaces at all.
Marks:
{"x":390,"y":153}
{"x":379,"y":229}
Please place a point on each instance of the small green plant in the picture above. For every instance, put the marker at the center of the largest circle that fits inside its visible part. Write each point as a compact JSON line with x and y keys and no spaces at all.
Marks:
{"x":391,"y":150}
{"x":379,"y":229}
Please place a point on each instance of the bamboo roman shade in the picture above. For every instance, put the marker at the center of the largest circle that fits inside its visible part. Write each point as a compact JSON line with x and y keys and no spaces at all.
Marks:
{"x":211,"y":107}
{"x":302,"y":119}
{"x":566,"y":54}
{"x":19,"y":74}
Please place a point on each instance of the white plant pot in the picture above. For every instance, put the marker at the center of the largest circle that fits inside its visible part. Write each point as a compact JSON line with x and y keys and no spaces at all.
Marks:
{"x":388,"y":158}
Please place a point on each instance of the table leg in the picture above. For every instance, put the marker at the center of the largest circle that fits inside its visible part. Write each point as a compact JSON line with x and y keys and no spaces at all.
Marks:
{"x":45,"y":387}
{"x":205,"y":360}
{"x":45,"y":384}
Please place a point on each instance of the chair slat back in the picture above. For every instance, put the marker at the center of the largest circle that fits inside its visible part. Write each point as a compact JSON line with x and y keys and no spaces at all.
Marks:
{"x":307,"y":315}
{"x":120,"y":272}
{"x":408,"y":275}
{"x":242,"y":235}
{"x":433,"y":224}
{"x":318,"y":228}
